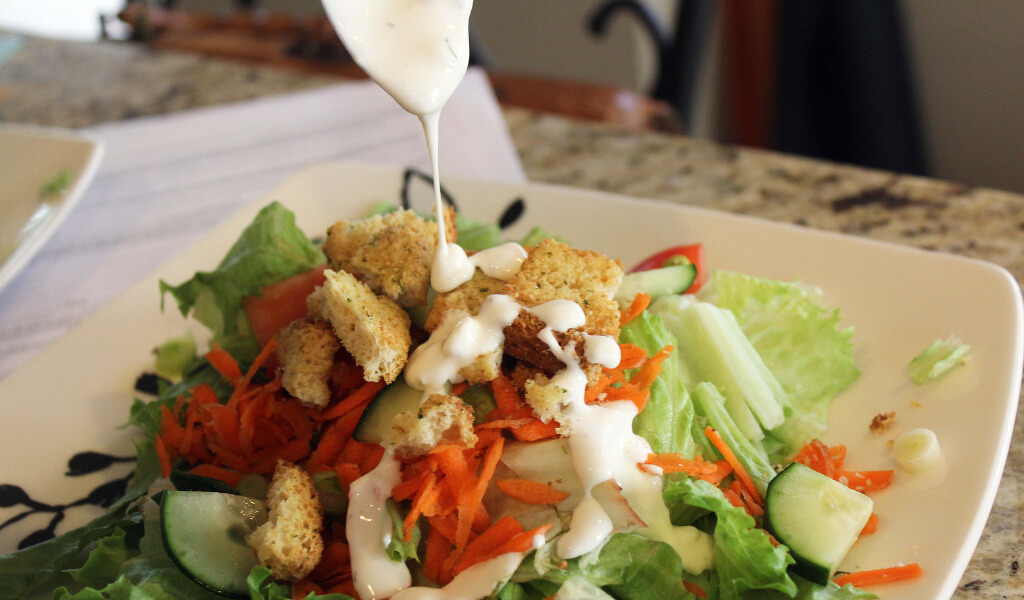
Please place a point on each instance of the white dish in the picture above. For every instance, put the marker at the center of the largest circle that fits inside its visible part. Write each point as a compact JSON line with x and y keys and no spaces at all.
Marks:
{"x":30,"y":157}
{"x":898,"y":299}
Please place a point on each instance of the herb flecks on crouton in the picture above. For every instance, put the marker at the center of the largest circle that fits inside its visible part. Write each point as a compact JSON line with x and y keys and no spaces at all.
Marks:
{"x":442,"y":419}
{"x":391,"y":253}
{"x":372,"y":328}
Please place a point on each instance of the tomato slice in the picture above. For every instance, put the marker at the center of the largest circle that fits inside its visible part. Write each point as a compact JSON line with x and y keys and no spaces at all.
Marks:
{"x":281,"y":303}
{"x":693,"y":252}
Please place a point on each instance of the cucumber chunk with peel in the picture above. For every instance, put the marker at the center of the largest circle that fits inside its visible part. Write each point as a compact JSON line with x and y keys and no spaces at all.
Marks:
{"x":380,"y":414}
{"x":817,"y":517}
{"x":204,"y":534}
{"x":674,"y":279}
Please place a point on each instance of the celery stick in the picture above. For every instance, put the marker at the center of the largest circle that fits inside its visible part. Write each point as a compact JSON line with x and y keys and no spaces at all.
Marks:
{"x":710,"y":404}
{"x":936,"y":359}
{"x":716,"y":350}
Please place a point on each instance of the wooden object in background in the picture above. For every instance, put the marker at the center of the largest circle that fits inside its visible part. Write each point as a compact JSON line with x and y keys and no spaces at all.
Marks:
{"x":310,"y":45}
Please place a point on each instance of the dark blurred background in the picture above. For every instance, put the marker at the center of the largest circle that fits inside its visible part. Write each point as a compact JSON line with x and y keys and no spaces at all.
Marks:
{"x":932,"y":87}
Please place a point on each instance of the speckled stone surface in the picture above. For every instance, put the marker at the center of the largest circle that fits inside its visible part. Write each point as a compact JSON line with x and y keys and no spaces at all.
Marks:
{"x":75,"y":85}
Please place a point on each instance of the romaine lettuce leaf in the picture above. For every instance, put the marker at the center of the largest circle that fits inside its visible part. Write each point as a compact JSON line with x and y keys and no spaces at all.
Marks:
{"x":26,"y":570}
{"x":744,"y":556}
{"x":104,"y":561}
{"x":667,"y":420}
{"x":628,"y":566}
{"x":270,"y":249}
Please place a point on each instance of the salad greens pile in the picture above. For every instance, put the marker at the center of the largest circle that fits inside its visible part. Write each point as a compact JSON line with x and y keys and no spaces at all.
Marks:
{"x":758,"y":360}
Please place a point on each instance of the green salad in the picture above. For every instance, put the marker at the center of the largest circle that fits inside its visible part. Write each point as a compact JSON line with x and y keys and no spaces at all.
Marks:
{"x":732,"y":378}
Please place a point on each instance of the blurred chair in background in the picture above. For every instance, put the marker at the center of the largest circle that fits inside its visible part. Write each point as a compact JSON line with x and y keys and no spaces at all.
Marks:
{"x":824,"y":79}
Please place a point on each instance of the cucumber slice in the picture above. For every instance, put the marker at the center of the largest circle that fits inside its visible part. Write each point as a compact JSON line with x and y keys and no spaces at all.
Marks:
{"x":204,"y":534}
{"x":817,"y":517}
{"x":380,"y":414}
{"x":481,"y":400}
{"x":656,"y":283}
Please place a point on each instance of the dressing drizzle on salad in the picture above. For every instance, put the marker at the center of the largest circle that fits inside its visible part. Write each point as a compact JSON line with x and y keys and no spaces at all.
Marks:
{"x":401,"y":44}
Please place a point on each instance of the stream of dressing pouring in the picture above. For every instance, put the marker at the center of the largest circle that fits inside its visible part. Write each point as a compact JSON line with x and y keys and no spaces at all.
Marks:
{"x":418,"y":51}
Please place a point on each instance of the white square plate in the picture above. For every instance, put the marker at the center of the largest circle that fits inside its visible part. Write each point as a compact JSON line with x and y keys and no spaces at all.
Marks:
{"x":29,"y":158}
{"x":72,"y":396}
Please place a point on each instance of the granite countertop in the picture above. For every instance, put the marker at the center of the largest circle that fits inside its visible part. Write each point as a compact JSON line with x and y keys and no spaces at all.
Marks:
{"x":76,"y":85}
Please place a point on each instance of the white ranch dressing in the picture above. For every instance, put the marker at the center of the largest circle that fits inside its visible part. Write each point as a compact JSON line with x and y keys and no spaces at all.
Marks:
{"x":417,"y":50}
{"x":368,"y":530}
{"x":602,"y":446}
{"x":475,"y":582}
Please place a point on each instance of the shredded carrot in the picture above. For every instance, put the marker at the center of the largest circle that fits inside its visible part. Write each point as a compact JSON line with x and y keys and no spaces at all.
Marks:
{"x":520,"y":542}
{"x":371,"y":458}
{"x":162,"y":456}
{"x":531,"y":492}
{"x":332,"y":440}
{"x":471,"y":496}
{"x":866,"y":481}
{"x":733,"y":498}
{"x":695,"y":589}
{"x":871,"y":526}
{"x":437,"y":549}
{"x":224,"y":364}
{"x":817,"y":456}
{"x":426,"y":497}
{"x":639,"y":305}
{"x":407,"y":489}
{"x":723,"y":471}
{"x":261,"y":358}
{"x":631,"y":356}
{"x":878,"y":576}
{"x":221,"y":474}
{"x":363,"y":394}
{"x":730,"y":457}
{"x":673,"y":462}
{"x":505,"y":423}
{"x":838,"y":454}
{"x":505,"y":396}
{"x":452,"y":462}
{"x":749,"y":504}
{"x":497,"y":534}
{"x":460,"y":387}
{"x":536,"y":430}
{"x":649,"y":372}
{"x":347,"y":473}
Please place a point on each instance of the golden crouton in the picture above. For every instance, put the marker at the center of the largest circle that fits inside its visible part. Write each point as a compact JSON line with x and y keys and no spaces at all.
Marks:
{"x":391,"y":253}
{"x":290,"y":543}
{"x":484,"y":368}
{"x":555,"y":271}
{"x":442,"y":419}
{"x":306,"y":349}
{"x":373,"y":329}
{"x":547,"y":400}
{"x":467,"y":298}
